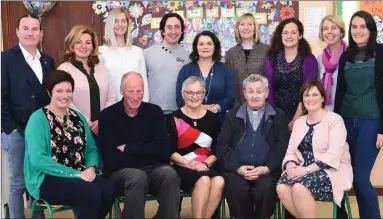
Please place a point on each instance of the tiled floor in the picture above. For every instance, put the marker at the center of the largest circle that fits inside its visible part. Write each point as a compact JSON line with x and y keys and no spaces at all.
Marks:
{"x":324,"y":210}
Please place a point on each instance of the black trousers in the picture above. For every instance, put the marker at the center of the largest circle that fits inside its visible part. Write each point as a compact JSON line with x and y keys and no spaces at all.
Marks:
{"x":135,"y":184}
{"x":250,"y":199}
{"x":90,"y":199}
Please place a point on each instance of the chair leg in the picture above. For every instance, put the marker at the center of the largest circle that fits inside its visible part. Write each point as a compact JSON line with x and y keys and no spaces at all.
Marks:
{"x":223,"y":208}
{"x":276,"y":211}
{"x":116,"y":203}
{"x":32,"y":212}
{"x":349,"y":212}
{"x":334,"y":210}
{"x":283,"y":215}
{"x":7,"y":216}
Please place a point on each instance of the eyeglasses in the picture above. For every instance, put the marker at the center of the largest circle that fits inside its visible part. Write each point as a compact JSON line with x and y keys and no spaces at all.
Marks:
{"x":191,"y":94}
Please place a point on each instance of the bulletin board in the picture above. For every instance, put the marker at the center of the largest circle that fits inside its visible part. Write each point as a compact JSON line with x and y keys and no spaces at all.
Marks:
{"x":216,"y":16}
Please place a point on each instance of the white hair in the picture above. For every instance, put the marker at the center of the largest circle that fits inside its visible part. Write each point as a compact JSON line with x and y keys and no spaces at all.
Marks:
{"x":255,"y":78}
{"x":193,"y":80}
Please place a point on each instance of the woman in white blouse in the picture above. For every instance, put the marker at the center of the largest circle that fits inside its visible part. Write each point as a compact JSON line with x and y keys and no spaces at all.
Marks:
{"x":118,"y":54}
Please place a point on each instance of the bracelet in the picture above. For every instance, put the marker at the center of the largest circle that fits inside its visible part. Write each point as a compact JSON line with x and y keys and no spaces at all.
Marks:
{"x":206,"y":164}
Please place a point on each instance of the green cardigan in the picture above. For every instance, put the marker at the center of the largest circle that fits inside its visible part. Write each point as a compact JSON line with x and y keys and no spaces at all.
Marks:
{"x":38,"y":153}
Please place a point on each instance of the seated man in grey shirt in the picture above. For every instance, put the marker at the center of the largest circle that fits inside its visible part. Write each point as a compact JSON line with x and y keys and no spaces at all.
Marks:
{"x":164,"y":61}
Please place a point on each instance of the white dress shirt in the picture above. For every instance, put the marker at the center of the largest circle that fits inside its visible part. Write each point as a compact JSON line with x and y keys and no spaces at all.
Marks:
{"x":34,"y":62}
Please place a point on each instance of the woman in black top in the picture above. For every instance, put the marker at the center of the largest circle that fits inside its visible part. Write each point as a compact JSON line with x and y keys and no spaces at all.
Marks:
{"x":195,"y":136}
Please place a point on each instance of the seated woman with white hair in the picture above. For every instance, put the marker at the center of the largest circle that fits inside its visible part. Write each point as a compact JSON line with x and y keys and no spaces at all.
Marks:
{"x":250,"y":149}
{"x":194,"y":138}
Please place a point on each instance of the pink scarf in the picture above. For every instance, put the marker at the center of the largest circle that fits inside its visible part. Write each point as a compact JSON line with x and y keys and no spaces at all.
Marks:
{"x":330,"y":64}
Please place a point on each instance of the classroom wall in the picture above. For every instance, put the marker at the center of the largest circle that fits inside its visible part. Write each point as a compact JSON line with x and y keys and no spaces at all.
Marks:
{"x":316,"y":44}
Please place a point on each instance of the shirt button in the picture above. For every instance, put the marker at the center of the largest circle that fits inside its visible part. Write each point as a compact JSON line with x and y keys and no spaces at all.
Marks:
{"x":252,"y":145}
{"x":70,"y":174}
{"x":62,"y":172}
{"x":251,"y":156}
{"x":33,"y":96}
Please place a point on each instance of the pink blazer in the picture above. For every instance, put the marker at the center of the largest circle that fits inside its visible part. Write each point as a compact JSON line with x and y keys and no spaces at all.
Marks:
{"x":329,"y":146}
{"x":81,"y":94}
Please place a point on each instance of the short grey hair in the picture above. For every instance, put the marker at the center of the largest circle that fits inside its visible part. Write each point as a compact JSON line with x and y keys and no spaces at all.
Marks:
{"x":127,"y":74}
{"x":255,"y":78}
{"x":193,"y":80}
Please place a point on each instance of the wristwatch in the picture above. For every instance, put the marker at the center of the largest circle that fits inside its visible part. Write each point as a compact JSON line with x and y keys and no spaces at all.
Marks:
{"x":308,"y":169}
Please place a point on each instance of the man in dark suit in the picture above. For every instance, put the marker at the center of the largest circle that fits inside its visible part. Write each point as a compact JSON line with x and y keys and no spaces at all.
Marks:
{"x":23,"y":70}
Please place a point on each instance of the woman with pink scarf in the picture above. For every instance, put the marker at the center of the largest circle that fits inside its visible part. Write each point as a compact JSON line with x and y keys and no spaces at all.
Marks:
{"x":332,"y":32}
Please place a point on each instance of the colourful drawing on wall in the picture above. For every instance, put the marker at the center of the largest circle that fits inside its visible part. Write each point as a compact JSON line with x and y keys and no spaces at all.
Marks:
{"x":375,"y":8}
{"x":216,"y":16}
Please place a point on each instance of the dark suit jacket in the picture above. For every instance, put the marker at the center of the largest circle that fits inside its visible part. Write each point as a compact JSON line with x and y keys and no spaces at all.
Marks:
{"x":21,"y":91}
{"x":234,"y":130}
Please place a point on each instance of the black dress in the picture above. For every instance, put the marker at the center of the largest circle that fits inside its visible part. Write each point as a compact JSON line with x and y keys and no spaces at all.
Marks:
{"x":318,"y":183}
{"x":197,"y":139}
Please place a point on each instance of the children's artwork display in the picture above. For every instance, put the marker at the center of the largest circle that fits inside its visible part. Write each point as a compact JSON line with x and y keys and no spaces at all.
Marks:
{"x":375,"y":8}
{"x":346,"y":9}
{"x":216,"y":16}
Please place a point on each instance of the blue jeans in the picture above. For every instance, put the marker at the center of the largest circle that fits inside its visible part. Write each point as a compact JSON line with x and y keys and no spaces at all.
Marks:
{"x":14,"y":145}
{"x":361,"y":137}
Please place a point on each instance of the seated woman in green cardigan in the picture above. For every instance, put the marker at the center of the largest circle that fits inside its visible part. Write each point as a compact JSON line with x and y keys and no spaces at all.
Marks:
{"x":61,"y":157}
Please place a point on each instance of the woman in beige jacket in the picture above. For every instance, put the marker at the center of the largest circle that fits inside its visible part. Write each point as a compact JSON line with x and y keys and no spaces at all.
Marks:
{"x":317,"y":164}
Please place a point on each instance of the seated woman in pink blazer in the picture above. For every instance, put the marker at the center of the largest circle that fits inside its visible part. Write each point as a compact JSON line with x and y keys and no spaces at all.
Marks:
{"x":317,"y":164}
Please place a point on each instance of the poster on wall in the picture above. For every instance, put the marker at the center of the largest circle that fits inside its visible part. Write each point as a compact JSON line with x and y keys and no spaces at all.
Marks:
{"x":375,"y":8}
{"x":312,"y":20}
{"x":216,"y":16}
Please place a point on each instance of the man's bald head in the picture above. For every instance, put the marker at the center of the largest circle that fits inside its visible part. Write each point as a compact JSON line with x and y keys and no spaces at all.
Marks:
{"x":133,"y":74}
{"x":132,"y":89}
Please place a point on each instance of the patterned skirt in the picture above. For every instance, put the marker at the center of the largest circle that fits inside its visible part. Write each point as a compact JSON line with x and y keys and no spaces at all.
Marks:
{"x":318,"y":183}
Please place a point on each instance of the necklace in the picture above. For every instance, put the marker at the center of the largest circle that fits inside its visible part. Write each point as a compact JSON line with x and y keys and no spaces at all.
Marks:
{"x":188,"y":115}
{"x":211,"y":79}
{"x":60,"y":119}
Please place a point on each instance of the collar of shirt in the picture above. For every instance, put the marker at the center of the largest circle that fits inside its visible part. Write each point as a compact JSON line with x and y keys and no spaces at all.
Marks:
{"x":255,"y":116}
{"x":27,"y":55}
{"x":254,"y":112}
